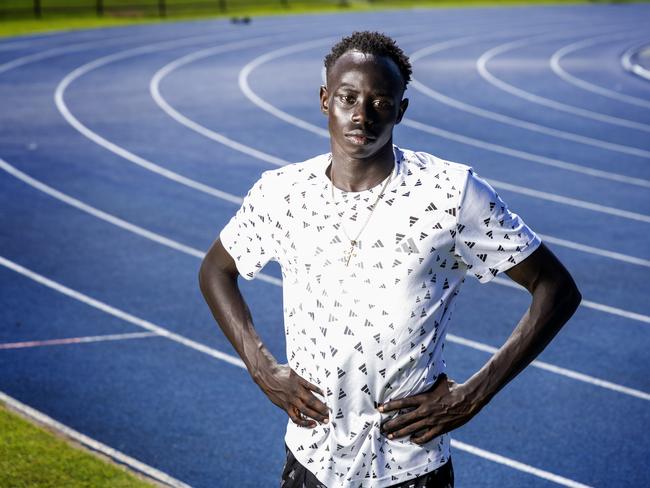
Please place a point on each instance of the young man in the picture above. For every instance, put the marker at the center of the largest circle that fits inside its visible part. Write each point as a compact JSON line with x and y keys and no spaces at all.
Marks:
{"x":374,"y":242}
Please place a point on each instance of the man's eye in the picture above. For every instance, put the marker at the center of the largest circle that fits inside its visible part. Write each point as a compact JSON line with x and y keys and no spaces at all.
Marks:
{"x":383,"y":104}
{"x":347,"y":99}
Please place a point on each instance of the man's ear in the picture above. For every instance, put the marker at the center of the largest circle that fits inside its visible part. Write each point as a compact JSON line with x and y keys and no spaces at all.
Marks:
{"x":403,"y":105}
{"x":324,"y":100}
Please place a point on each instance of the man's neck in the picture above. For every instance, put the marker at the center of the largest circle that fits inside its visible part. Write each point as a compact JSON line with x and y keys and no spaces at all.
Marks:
{"x":356,"y":175}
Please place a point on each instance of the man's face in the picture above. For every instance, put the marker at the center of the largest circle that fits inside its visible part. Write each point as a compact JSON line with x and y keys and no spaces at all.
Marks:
{"x":363,"y":102}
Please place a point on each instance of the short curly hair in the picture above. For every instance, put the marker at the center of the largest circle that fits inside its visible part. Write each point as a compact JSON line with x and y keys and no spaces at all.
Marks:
{"x":371,"y":43}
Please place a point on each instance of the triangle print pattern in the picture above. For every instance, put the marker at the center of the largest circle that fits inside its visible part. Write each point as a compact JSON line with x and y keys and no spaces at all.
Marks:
{"x":371,"y":327}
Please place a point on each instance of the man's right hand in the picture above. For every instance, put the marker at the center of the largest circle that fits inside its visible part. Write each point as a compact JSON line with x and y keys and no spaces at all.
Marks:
{"x":293,"y":394}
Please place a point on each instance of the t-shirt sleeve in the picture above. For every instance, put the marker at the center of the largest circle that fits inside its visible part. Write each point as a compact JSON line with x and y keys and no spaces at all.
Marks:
{"x":489,"y":237}
{"x":248,"y":236}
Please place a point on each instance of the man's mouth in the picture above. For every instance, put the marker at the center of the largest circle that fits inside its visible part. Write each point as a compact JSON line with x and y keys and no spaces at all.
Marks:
{"x":359,"y":138}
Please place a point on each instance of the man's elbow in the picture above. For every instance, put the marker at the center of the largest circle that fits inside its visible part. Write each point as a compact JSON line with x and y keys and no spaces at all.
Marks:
{"x":577,"y":296}
{"x":203,"y":274}
{"x":216,"y":269}
{"x":559,"y":291}
{"x":568,"y":294}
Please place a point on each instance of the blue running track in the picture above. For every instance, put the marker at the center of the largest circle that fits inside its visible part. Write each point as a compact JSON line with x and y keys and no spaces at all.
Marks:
{"x":124,"y":151}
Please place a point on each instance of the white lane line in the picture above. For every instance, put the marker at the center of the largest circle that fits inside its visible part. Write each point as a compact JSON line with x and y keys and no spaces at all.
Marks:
{"x":552,"y":197}
{"x":9,"y":46}
{"x":574,"y":375}
{"x":154,"y":89}
{"x":557,"y":68}
{"x":156,"y":80}
{"x":631,"y":66}
{"x":481,"y":66}
{"x":234,"y":361}
{"x":560,"y":480}
{"x":278,"y":282}
{"x":112,"y":219}
{"x":90,"y":443}
{"x":574,"y":202}
{"x":616,"y":311}
{"x":77,"y":340}
{"x":59,"y":98}
{"x":115,"y":312}
{"x":519,"y":154}
{"x":105,"y":42}
{"x":123,"y":153}
{"x":524,"y":124}
{"x":263,"y":104}
{"x":303,"y":124}
{"x":596,"y":251}
{"x":57,"y":51}
{"x":95,"y":212}
{"x":144,"y":163}
{"x":588,"y":304}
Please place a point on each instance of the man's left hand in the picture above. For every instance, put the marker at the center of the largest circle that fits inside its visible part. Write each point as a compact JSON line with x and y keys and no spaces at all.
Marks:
{"x":444,"y":407}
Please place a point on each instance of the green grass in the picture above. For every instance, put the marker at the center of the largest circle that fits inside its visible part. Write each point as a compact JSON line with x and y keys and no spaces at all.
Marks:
{"x":126,"y":12}
{"x":31,"y":456}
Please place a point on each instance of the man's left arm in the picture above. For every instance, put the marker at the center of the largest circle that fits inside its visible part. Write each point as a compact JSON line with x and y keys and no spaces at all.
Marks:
{"x":448,"y":405}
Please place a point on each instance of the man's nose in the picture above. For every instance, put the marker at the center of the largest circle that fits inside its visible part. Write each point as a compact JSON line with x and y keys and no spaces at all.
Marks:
{"x":362,"y":114}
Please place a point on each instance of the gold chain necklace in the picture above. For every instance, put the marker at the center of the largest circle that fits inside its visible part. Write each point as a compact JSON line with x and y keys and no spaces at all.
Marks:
{"x":355,"y":242}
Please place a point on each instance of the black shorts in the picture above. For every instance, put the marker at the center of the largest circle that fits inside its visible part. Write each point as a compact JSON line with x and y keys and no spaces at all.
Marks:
{"x":295,"y":475}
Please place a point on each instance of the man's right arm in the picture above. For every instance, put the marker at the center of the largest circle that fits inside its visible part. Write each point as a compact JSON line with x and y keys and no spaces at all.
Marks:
{"x":218,"y":281}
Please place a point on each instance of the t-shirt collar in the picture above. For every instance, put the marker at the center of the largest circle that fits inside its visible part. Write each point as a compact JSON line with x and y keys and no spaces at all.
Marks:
{"x":324,"y":161}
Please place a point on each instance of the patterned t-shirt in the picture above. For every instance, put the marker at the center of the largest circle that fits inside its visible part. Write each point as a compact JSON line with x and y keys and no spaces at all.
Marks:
{"x":372,"y":329}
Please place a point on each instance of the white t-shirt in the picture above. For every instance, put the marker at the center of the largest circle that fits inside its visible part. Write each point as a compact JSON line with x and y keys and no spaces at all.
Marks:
{"x":373,"y":330}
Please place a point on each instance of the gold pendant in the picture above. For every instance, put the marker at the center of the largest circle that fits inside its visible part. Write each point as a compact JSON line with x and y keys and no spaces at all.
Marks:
{"x":351,"y":252}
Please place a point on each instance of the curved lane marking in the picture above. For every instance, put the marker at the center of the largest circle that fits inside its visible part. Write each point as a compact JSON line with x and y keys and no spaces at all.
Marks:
{"x":103,"y":61}
{"x":524,"y":124}
{"x":154,"y":89}
{"x":526,"y":156}
{"x":120,"y":151}
{"x":280,"y":114}
{"x":481,"y":66}
{"x":235,"y":361}
{"x":165,"y":241}
{"x":59,"y":98}
{"x":629,"y":65}
{"x":557,"y":68}
{"x":57,"y":51}
{"x":9,"y":46}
